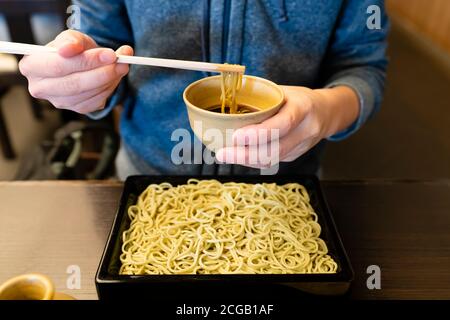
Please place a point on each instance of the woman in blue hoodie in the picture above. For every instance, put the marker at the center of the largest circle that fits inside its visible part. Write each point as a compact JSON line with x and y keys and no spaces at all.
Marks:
{"x":329,"y":59}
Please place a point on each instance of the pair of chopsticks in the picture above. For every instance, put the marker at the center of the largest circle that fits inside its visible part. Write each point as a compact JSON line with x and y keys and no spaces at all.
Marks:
{"x":28,"y":49}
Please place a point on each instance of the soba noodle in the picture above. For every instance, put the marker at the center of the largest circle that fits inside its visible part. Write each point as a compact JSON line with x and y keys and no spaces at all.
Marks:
{"x":230,"y":83}
{"x":208,"y":227}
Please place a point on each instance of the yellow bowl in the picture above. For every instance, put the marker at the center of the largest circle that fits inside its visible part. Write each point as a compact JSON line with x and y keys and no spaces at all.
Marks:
{"x":33,"y":286}
{"x":28,"y":287}
{"x":215,"y":129}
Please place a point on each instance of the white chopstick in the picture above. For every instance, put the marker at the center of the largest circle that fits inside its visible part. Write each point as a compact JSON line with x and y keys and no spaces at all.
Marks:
{"x":27,"y":49}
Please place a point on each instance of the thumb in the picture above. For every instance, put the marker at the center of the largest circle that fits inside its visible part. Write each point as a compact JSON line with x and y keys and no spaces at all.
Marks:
{"x":123,"y":68}
{"x":125,"y":50}
{"x":71,"y":43}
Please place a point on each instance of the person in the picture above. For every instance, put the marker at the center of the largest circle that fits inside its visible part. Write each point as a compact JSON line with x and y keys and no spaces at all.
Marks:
{"x":330,"y":63}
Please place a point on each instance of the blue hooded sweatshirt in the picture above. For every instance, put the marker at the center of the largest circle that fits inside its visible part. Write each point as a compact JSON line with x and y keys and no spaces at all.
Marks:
{"x":312,"y":43}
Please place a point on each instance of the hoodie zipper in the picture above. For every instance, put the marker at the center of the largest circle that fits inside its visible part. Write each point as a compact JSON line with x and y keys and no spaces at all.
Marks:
{"x":226,"y":29}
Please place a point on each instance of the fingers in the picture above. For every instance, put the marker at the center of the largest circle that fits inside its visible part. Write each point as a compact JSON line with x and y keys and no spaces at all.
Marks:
{"x":259,"y":156}
{"x":286,"y":149}
{"x":127,"y":51}
{"x":94,"y":103}
{"x":298,"y":150}
{"x":91,"y":100}
{"x":238,"y":155}
{"x":287,"y":119}
{"x":76,"y":83}
{"x":64,"y":102}
{"x":49,"y":65}
{"x":71,"y":43}
{"x":295,"y":140}
{"x":77,"y":52}
{"x":80,"y":77}
{"x":251,"y":156}
{"x":298,"y":125}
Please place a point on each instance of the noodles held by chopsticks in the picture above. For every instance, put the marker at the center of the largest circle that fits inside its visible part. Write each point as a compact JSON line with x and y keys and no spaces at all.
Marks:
{"x":208,"y":227}
{"x":231,"y":82}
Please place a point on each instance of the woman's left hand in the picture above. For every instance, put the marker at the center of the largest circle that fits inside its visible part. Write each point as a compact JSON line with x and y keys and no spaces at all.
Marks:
{"x":307,"y":117}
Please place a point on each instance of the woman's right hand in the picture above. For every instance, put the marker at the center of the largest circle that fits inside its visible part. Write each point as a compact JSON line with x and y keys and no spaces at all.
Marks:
{"x":80,"y":77}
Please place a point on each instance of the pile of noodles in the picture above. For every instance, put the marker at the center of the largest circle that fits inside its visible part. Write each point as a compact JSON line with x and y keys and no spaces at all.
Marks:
{"x":208,"y":227}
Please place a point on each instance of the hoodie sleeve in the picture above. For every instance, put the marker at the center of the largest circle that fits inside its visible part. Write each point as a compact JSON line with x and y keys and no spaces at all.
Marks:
{"x":357,"y":58}
{"x":106,"y":21}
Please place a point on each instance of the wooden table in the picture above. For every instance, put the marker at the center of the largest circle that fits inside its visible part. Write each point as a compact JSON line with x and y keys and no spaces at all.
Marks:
{"x":401,"y":226}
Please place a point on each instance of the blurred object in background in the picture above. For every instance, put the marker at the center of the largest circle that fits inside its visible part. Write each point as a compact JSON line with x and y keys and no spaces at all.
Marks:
{"x":431,"y":19}
{"x":24,"y":21}
{"x":55,"y":147}
{"x":410,"y":137}
{"x":79,"y":150}
{"x":45,"y":26}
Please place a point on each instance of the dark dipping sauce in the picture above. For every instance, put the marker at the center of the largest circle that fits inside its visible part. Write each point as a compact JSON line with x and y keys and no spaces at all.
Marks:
{"x":241,"y":108}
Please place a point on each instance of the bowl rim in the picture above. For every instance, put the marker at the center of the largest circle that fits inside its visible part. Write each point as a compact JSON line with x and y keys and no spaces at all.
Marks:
{"x":48,"y":290}
{"x":238,"y":115}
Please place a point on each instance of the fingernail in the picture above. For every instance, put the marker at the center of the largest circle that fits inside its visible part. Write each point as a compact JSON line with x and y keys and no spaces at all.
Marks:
{"x":108,"y":56}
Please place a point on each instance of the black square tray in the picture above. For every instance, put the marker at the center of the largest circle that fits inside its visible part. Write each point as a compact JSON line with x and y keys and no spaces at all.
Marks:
{"x":111,"y":285}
